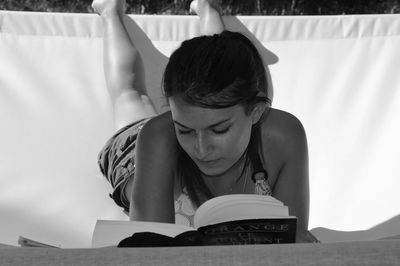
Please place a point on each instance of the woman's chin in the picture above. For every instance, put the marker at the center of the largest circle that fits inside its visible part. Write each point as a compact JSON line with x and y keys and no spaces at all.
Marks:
{"x":212,"y":171}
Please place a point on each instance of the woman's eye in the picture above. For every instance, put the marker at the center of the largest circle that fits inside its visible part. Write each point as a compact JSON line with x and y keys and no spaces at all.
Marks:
{"x":221,"y":131}
{"x":184,"y":132}
{"x":215,"y":131}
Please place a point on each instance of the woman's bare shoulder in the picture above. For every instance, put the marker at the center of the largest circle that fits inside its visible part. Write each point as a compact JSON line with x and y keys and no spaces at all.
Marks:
{"x":161,"y":126}
{"x":284,"y":142}
{"x":164,"y":119}
{"x":159,"y":132}
{"x":282,"y":124}
{"x":282,"y":133}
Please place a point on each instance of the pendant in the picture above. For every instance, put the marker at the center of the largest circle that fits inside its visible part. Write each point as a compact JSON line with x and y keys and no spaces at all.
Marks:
{"x":260,"y":178}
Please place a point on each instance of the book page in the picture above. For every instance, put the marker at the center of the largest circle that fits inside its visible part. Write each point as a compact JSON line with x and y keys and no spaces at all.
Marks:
{"x":239,"y":207}
{"x":110,"y":233}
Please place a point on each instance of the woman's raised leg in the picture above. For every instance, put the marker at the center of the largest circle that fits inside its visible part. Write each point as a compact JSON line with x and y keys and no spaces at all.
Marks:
{"x":123,"y":67}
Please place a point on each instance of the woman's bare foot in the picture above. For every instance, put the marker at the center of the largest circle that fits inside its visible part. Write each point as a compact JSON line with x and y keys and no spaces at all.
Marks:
{"x":209,"y":12}
{"x":109,"y":7}
{"x":202,"y":7}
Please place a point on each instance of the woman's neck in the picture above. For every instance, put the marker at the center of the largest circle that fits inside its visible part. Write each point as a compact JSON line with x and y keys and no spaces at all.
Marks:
{"x":230,"y":180}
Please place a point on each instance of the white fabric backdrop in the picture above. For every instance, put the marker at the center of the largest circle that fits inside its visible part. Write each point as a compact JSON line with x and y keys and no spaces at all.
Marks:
{"x":338,"y":74}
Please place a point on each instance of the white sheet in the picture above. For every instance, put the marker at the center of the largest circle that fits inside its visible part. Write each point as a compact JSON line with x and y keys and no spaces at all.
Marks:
{"x":337,"y":74}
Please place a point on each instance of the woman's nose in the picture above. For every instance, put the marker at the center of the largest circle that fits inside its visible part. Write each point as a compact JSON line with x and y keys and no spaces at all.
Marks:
{"x":202,"y":146}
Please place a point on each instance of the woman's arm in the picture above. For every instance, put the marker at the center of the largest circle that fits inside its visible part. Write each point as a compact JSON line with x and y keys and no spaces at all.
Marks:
{"x":123,"y":67}
{"x":292,"y":184}
{"x":152,"y":195}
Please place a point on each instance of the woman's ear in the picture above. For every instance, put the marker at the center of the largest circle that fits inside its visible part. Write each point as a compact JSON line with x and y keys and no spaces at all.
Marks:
{"x":257,"y":112}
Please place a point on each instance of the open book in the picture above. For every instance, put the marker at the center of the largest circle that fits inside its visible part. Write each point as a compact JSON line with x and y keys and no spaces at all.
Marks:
{"x":229,"y":219}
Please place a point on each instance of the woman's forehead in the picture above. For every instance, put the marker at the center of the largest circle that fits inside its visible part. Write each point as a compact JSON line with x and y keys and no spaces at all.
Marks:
{"x":199,"y":117}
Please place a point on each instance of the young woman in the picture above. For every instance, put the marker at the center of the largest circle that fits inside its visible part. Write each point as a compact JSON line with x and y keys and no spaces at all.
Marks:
{"x":220,"y":136}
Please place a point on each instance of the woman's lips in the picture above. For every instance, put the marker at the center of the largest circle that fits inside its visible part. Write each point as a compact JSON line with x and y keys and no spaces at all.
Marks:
{"x":208,"y":163}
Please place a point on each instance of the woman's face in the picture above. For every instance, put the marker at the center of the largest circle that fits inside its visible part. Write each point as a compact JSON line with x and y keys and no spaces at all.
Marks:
{"x":214,"y":139}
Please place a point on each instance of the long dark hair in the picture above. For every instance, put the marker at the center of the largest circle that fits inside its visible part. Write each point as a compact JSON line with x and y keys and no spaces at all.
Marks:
{"x":217,"y":71}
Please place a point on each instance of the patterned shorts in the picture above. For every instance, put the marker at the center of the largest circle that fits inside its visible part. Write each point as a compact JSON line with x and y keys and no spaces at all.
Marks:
{"x":117,"y":160}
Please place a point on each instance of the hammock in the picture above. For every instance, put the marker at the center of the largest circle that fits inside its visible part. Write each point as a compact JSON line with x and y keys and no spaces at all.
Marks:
{"x":338,"y":74}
